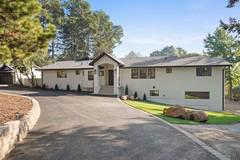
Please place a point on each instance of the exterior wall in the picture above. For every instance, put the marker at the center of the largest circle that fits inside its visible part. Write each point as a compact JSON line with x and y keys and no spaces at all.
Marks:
{"x":99,"y":81}
{"x":103,"y":80}
{"x":172,"y":86}
{"x":26,"y":81}
{"x":50,"y":79}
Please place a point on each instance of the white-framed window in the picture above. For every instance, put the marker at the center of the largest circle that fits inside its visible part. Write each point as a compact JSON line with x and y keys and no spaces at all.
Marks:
{"x":90,"y":75}
{"x":204,"y":71}
{"x":154,"y":92}
{"x":77,"y":72}
{"x":197,"y":95}
{"x":169,"y":70}
{"x":135,"y":73}
{"x":61,"y":74}
{"x":143,"y":73}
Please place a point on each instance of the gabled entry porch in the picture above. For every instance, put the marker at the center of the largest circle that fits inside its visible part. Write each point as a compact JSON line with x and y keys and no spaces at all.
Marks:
{"x":106,"y":75}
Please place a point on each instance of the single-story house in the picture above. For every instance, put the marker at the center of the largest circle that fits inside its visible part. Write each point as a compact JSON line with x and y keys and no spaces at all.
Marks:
{"x":8,"y":76}
{"x":196,"y":81}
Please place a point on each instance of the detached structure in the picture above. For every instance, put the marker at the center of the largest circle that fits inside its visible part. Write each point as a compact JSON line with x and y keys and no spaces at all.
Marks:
{"x":8,"y":76}
{"x":193,"y":80}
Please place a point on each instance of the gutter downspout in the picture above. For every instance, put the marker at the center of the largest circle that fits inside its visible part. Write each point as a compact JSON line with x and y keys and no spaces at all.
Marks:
{"x":223,"y":89}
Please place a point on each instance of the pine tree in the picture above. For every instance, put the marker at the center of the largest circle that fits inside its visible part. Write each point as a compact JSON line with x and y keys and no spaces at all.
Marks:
{"x":21,"y":34}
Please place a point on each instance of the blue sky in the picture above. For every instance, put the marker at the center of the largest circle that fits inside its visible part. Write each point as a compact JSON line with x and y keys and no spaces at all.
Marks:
{"x":152,"y":24}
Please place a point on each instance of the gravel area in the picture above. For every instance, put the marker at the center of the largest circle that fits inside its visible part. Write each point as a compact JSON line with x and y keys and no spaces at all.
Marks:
{"x":232,"y":106}
{"x":10,"y":105}
{"x":223,"y":138}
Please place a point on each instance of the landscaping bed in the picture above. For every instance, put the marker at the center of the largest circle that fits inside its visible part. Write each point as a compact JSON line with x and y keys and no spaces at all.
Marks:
{"x":157,"y":110}
{"x":10,"y":105}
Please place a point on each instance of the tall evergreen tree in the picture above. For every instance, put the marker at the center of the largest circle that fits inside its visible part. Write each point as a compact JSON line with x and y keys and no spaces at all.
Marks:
{"x":21,"y":34}
{"x":53,"y":12}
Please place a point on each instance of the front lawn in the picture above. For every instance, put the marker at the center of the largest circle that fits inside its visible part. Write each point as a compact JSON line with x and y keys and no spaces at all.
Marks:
{"x":157,"y":110}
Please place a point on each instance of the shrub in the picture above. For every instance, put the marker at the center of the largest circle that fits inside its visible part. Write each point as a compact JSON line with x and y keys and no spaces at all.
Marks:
{"x":79,"y":87}
{"x":56,"y":87}
{"x":144,"y":97}
{"x":68,"y":87}
{"x":44,"y":86}
{"x":126,"y":90}
{"x":135,"y":95}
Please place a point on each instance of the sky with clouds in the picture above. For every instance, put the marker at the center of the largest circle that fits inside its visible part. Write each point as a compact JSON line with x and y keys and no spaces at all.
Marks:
{"x":152,"y":24}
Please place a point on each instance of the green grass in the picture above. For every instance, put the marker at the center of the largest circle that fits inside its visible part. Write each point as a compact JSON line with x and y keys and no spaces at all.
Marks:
{"x":157,"y":110}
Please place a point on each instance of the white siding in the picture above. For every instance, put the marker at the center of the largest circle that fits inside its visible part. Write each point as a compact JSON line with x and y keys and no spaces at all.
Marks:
{"x":172,"y":86}
{"x":50,"y":79}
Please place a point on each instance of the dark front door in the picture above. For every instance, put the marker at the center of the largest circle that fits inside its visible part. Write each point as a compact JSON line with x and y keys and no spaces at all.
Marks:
{"x":110,"y":77}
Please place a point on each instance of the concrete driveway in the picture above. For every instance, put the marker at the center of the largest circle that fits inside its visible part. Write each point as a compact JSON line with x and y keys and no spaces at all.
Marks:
{"x":86,"y":127}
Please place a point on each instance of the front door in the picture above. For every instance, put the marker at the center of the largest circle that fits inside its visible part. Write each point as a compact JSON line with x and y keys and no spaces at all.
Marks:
{"x":110,"y":77}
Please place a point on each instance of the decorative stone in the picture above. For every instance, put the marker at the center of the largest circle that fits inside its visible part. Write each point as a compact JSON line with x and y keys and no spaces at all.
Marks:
{"x":124,"y":97}
{"x":177,"y":112}
{"x":198,"y":116}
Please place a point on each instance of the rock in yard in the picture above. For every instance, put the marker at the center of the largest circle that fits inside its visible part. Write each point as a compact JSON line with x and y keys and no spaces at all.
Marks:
{"x":131,"y":98}
{"x":124,"y":97}
{"x":177,"y":112}
{"x":198,"y":116}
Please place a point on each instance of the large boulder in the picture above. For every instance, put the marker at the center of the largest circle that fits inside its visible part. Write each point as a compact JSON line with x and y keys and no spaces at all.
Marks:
{"x":198,"y":116}
{"x":124,"y":97}
{"x":176,"y":111}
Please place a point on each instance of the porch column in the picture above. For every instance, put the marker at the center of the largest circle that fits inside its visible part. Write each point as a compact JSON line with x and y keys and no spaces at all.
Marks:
{"x":96,"y":79}
{"x":116,"y":80}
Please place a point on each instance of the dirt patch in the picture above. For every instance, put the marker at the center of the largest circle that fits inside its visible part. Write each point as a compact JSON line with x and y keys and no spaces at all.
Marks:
{"x":232,"y":106}
{"x":10,"y":105}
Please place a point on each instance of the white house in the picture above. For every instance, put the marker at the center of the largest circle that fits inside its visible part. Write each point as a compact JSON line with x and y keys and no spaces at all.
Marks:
{"x":193,"y":80}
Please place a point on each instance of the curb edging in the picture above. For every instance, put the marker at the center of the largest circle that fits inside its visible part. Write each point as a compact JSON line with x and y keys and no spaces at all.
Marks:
{"x":189,"y":135}
{"x":15,"y":131}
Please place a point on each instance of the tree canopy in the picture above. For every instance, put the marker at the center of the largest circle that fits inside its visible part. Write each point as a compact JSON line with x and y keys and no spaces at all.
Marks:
{"x":86,"y":33}
{"x":169,"y":50}
{"x":21,"y":34}
{"x":220,"y":43}
{"x":133,"y":54}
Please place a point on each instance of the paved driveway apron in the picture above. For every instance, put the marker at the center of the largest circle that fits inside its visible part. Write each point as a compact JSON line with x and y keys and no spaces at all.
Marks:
{"x":98,"y":128}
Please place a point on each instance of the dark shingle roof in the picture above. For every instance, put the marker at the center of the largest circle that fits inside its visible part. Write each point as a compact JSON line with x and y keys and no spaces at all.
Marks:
{"x":171,"y":61}
{"x":160,"y":61}
{"x":68,"y":65}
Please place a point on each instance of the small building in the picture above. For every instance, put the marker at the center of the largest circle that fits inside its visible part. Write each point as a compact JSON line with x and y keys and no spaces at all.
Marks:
{"x":9,"y":76}
{"x":195,"y":81}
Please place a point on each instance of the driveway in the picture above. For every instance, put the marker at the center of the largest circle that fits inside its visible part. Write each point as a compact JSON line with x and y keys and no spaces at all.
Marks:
{"x":74,"y":127}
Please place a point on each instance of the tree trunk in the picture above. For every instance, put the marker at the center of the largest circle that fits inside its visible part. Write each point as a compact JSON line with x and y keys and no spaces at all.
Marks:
{"x":16,"y":72}
{"x":53,"y":49}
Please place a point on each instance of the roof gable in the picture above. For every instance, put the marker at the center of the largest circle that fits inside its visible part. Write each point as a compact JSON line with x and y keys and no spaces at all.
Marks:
{"x":119,"y":62}
{"x":6,"y":68}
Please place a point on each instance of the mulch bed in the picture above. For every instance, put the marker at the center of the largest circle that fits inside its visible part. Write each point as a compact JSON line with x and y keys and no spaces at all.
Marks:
{"x":10,"y":105}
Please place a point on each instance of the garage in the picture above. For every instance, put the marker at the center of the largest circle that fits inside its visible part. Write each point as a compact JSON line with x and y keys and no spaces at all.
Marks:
{"x":6,"y":75}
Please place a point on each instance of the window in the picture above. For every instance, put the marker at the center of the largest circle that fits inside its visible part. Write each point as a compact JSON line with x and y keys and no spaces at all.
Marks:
{"x":134,"y":73}
{"x":77,"y":72}
{"x":101,"y":73}
{"x":204,"y":71}
{"x":196,"y":95}
{"x":143,"y":73}
{"x":151,"y":73}
{"x":61,"y":74}
{"x":169,"y":70}
{"x":154,"y":92}
{"x":90,"y":75}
